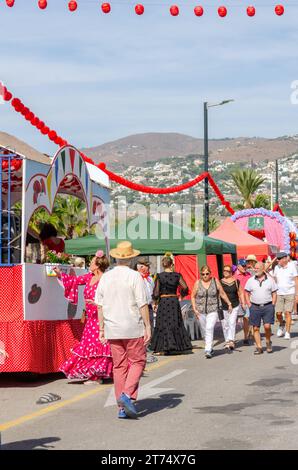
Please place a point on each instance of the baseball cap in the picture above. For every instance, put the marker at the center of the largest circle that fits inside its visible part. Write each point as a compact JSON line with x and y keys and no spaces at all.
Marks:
{"x":281,"y":255}
{"x":242,"y":262}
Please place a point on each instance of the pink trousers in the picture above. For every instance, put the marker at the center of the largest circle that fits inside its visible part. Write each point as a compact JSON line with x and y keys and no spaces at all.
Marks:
{"x":129,"y":360}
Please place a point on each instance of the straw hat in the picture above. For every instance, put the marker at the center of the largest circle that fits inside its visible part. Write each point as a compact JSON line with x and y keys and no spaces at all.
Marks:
{"x":251,"y":258}
{"x":124,"y":250}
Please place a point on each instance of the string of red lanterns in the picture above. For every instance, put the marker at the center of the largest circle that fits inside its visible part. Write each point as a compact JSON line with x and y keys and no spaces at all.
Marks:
{"x":35,"y":121}
{"x":140,"y":9}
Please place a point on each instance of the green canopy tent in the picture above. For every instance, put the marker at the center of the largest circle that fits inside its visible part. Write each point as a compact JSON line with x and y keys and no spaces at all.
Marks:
{"x":155,"y":237}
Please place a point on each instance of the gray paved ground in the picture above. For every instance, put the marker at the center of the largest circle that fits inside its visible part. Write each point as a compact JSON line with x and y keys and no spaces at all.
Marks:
{"x":235,"y":401}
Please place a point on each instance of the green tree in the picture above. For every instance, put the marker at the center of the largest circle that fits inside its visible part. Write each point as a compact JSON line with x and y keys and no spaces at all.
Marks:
{"x":247,"y":182}
{"x":72,"y":217}
{"x":262,"y":200}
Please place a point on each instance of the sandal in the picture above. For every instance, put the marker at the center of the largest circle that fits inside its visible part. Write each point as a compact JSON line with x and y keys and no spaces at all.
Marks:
{"x":48,"y":398}
{"x":258,"y":351}
{"x":269,"y":347}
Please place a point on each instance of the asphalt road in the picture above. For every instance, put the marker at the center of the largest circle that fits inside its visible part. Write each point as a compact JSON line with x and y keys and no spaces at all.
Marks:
{"x":233,"y":401}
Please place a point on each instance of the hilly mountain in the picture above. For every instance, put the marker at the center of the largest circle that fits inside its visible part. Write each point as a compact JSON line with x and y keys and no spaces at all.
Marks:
{"x":141,"y":148}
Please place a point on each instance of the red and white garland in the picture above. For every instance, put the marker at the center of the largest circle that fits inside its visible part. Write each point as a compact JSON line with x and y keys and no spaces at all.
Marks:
{"x":140,"y":9}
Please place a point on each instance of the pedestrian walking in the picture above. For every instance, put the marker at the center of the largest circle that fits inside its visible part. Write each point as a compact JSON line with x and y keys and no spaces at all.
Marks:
{"x":260,"y":293}
{"x":242,"y":275}
{"x":206,"y":302}
{"x":170,"y":335}
{"x":125,"y":325}
{"x":235,"y":294}
{"x":91,"y":361}
{"x":286,"y":278}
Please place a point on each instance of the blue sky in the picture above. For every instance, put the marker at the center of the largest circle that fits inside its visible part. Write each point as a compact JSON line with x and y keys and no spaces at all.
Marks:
{"x":95,"y":77}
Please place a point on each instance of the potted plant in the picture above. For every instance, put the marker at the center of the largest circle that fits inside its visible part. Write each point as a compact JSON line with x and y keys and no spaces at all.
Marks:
{"x":55,"y":259}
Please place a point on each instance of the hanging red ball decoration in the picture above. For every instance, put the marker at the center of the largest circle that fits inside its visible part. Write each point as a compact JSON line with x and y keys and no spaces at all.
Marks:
{"x":16,"y":102}
{"x":102,"y":166}
{"x":139,"y":9}
{"x":279,"y":10}
{"x":174,"y":10}
{"x":7,"y":95}
{"x":10,"y":3}
{"x":251,"y":11}
{"x":198,"y":11}
{"x":52,"y":135}
{"x":222,"y":11}
{"x":42,"y":4}
{"x":72,"y":5}
{"x":45,"y":130}
{"x":106,"y":7}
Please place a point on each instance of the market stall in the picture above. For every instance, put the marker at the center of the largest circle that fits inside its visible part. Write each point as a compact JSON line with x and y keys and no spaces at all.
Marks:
{"x":38,"y":326}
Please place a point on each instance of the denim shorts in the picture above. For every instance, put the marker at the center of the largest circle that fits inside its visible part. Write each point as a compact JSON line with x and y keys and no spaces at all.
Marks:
{"x":243,"y":313}
{"x":257,"y":314}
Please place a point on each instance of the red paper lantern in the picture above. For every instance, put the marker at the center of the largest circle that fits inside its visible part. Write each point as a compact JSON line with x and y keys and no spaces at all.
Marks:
{"x":222,"y":11}
{"x":139,"y":9}
{"x":106,"y":7}
{"x":16,"y":102}
{"x":10,"y":3}
{"x":72,"y":5}
{"x":293,"y":244}
{"x":199,"y":11}
{"x":7,"y":95}
{"x":52,"y":135}
{"x":174,"y":10}
{"x":251,"y":11}
{"x":45,"y":130}
{"x":102,"y":166}
{"x":42,"y":4}
{"x":29,"y":116}
{"x":279,"y":10}
{"x":40,"y":125}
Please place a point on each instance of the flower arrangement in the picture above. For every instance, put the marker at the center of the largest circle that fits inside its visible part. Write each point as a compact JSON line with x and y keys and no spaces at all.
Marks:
{"x":57,"y":258}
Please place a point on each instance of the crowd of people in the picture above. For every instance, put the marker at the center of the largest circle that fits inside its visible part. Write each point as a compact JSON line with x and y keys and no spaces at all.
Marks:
{"x":128,"y":313}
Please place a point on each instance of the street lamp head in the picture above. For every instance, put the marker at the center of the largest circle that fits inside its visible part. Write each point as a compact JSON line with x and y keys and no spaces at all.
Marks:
{"x":220,"y":103}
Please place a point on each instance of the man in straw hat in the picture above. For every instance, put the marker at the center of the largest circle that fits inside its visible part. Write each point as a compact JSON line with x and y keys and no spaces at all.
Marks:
{"x":124,"y":322}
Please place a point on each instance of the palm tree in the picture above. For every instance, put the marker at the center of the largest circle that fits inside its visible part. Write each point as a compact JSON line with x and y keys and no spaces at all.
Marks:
{"x":71,"y":213}
{"x":262,"y":200}
{"x":247,"y":182}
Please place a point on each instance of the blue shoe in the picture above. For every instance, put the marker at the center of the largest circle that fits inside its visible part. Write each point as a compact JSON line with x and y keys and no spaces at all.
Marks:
{"x":122,"y":414}
{"x":128,"y":406}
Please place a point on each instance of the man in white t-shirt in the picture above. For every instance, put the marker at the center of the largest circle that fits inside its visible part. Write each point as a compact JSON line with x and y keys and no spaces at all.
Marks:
{"x":124,"y":322}
{"x":286,"y":277}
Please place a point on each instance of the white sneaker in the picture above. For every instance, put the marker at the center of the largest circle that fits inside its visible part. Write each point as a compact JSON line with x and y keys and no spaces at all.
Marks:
{"x":287,"y":335}
{"x":280,"y":332}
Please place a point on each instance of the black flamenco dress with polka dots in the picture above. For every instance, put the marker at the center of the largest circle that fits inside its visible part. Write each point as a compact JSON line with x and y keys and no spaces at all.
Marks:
{"x":170,"y":335}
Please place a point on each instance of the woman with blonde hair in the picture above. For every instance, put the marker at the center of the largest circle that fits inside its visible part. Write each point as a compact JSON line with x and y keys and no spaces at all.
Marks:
{"x":206,"y":303}
{"x":170,"y":335}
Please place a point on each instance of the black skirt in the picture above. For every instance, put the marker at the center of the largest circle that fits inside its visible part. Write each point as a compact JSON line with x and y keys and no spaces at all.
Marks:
{"x":170,"y":335}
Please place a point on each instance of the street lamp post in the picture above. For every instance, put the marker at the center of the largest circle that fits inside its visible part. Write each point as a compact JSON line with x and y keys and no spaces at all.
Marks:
{"x":206,"y":162}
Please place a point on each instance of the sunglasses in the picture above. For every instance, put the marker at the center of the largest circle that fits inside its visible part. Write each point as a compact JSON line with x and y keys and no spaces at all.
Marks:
{"x":227,"y":271}
{"x":205,"y":274}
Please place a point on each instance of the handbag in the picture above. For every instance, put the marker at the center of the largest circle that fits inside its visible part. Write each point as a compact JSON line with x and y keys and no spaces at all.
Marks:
{"x":219,"y":307}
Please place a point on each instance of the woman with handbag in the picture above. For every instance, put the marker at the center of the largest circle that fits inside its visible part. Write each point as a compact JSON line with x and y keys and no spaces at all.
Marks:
{"x":235,"y":294}
{"x":91,"y":361}
{"x":205,"y":299}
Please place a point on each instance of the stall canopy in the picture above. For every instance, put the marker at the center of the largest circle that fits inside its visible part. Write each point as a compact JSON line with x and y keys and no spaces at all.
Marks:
{"x":246,"y":243}
{"x":153,"y":237}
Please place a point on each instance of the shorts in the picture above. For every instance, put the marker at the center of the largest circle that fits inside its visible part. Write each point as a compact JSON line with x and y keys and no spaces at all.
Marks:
{"x":257,"y":314}
{"x":243,"y":312}
{"x":285,"y":303}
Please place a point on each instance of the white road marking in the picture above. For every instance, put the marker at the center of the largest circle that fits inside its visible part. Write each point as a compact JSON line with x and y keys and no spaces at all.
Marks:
{"x":148,"y":390}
